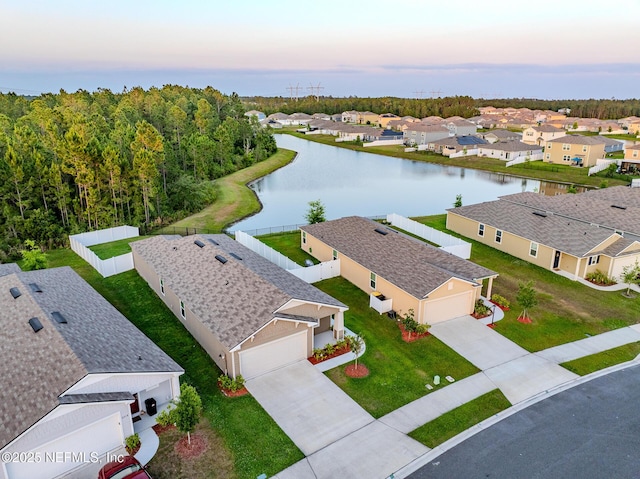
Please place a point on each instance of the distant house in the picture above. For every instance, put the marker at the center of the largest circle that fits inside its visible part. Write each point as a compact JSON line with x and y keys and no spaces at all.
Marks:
{"x":633,"y":127}
{"x":257,"y":114}
{"x":249,"y":314}
{"x":611,"y":145}
{"x":385,"y":118}
{"x":540,"y":135}
{"x":494,"y":136}
{"x":350,"y":116}
{"x":367,"y":118}
{"x":75,"y":374}
{"x":421,"y":134}
{"x":455,"y":144}
{"x":299,"y":118}
{"x":576,"y":233}
{"x":631,"y":162}
{"x":409,"y":274}
{"x":510,"y":150}
{"x":337,"y":117}
{"x":576,"y":150}
{"x":268,"y":122}
{"x":281,"y":118}
{"x":460,"y":127}
{"x":322,"y":116}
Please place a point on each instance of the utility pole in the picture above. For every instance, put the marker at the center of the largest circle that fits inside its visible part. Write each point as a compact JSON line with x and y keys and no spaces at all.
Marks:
{"x":419,"y":94}
{"x":435,"y":93}
{"x":315,"y":89}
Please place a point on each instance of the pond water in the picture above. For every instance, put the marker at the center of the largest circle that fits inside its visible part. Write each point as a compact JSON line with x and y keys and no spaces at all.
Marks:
{"x":356,"y":183}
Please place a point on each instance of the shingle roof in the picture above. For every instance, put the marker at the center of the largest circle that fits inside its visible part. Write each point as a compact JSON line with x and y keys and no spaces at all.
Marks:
{"x":8,"y":268}
{"x":515,"y":145}
{"x":547,"y":129}
{"x":36,"y":368}
{"x":501,"y":133}
{"x":426,"y":128}
{"x":578,"y":140}
{"x":234,"y":299}
{"x":412,"y":265}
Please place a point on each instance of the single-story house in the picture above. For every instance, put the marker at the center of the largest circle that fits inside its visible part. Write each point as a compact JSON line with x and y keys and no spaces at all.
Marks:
{"x":574,"y":233}
{"x":494,"y":136}
{"x":510,"y":150}
{"x":258,"y":114}
{"x":540,"y":135}
{"x":249,"y":314}
{"x":75,"y":374}
{"x":577,"y":150}
{"x":455,"y":144}
{"x":611,"y":145}
{"x":403,"y":273}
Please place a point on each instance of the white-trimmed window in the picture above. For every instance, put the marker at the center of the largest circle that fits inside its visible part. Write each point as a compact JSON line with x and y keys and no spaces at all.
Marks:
{"x":480,"y":229}
{"x":566,"y":157}
{"x":594,"y":259}
{"x":549,"y":145}
{"x":182,"y":310}
{"x":584,"y":148}
{"x":162,"y":286}
{"x":533,"y":249}
{"x":566,"y":146}
{"x":498,"y":236}
{"x":335,"y":254}
{"x":304,"y":237}
{"x":373,"y":281}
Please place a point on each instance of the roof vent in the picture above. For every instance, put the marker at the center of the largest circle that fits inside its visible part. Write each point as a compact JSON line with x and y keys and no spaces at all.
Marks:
{"x":539,"y":213}
{"x":199,"y":243}
{"x":35,"y":324}
{"x":236,"y":256}
{"x":222,"y":259}
{"x":35,"y":288}
{"x":212,"y":241}
{"x":619,"y":207}
{"x":381,"y":231}
{"x":15,"y":292}
{"x":59,"y":318}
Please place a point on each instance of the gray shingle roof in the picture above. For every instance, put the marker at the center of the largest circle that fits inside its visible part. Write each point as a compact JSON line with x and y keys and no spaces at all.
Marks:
{"x":96,"y":397}
{"x":513,"y":146}
{"x":578,"y":140}
{"x":35,"y":368}
{"x":234,"y":299}
{"x":547,"y":129}
{"x":8,"y":268}
{"x":410,"y":264}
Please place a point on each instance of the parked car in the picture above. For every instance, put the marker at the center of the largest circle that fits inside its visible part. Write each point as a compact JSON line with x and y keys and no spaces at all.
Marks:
{"x":128,"y":468}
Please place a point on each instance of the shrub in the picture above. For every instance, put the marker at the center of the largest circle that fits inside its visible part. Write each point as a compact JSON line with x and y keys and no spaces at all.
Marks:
{"x":318,"y":353}
{"x":481,"y":309}
{"x":422,"y":328}
{"x":500,"y":300}
{"x":231,"y":384}
{"x":166,"y":417}
{"x":599,"y":277}
{"x":132,"y":443}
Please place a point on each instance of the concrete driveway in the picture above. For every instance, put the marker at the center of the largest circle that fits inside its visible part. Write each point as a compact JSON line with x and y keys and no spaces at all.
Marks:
{"x":308,"y":407}
{"x":479,"y":344}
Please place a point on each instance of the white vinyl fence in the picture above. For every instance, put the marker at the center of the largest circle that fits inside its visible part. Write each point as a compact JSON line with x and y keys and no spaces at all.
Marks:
{"x":310,"y":274}
{"x":106,"y":267}
{"x":448,"y":243}
{"x":384,"y":143}
{"x":461,"y":153}
{"x":524,"y":158}
{"x":601,"y":165}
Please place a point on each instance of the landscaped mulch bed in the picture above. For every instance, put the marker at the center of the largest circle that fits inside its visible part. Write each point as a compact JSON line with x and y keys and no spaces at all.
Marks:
{"x":198,"y":445}
{"x":408,"y":337}
{"x":233,"y":394}
{"x":524,"y":320}
{"x":337,"y":352}
{"x":160,"y":429}
{"x":478,"y":316}
{"x":356,"y":372}
{"x":503,"y":308}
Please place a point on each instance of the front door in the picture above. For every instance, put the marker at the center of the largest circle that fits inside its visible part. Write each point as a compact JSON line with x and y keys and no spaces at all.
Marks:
{"x":135,"y":406}
{"x":556,"y":260}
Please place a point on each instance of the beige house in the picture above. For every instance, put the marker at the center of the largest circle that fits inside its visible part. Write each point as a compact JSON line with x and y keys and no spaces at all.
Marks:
{"x":510,"y":150}
{"x":575,"y":233}
{"x":575,"y":150}
{"x":250,"y":315}
{"x":540,"y":135}
{"x":385,"y":118}
{"x":399,"y":273}
{"x":632,"y":153}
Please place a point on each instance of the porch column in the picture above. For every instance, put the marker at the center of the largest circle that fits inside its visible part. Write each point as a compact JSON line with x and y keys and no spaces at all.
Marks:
{"x":338,"y":325}
{"x":575,"y":275}
{"x":489,"y":287}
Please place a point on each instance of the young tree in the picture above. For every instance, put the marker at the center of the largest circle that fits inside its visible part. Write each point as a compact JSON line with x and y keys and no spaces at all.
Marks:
{"x":458,"y":202}
{"x":357,"y":345}
{"x":188,"y":410}
{"x":526,"y":297}
{"x":315,"y":213}
{"x":33,"y":257}
{"x":630,"y":275}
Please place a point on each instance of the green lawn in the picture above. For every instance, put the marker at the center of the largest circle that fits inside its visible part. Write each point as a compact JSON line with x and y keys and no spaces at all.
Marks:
{"x":399,"y":371}
{"x":234,"y":199}
{"x":605,"y":359}
{"x":289,"y":245}
{"x":114,"y":248}
{"x":252,"y":440}
{"x":460,"y":419}
{"x":567,"y":310}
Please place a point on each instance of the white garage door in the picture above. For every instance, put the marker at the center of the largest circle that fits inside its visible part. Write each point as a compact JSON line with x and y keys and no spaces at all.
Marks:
{"x":448,"y":308}
{"x":70,"y":451}
{"x":273,"y":355}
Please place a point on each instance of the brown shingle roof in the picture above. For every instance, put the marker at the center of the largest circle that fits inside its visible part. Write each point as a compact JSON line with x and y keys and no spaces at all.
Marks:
{"x":414,"y":266}
{"x":515,"y":145}
{"x":578,"y":140}
{"x":547,"y":129}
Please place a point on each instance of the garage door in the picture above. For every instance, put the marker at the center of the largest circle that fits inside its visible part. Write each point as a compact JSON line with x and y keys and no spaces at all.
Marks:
{"x":275,"y":354}
{"x":70,"y":451}
{"x":448,"y":308}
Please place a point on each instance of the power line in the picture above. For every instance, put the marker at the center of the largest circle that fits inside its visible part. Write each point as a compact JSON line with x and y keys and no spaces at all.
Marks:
{"x":435,"y":93}
{"x":418,"y":94}
{"x":315,"y":89}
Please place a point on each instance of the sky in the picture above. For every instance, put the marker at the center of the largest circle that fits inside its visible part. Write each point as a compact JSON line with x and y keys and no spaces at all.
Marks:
{"x":560,"y":49}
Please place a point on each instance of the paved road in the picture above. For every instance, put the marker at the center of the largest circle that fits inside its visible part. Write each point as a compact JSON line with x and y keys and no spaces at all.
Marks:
{"x":589,"y":431}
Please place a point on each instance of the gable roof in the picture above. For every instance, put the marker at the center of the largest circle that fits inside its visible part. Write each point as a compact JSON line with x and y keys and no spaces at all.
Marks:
{"x":547,"y":129}
{"x":515,"y":145}
{"x":414,"y":266}
{"x":578,"y":140}
{"x":36,"y":368}
{"x":233,"y":299}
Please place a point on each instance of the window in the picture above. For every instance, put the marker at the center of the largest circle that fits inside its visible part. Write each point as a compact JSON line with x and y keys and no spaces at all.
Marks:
{"x":584,"y":148}
{"x":549,"y":145}
{"x":566,"y":146}
{"x":533,"y":249}
{"x":373,"y":281}
{"x":548,"y":156}
{"x":498,"y":236}
{"x":635,"y":154}
{"x":566,"y":157}
{"x":594,"y":259}
{"x":480,"y":229}
{"x":304,"y":237}
{"x":162,"y":286}
{"x":335,"y":254}
{"x":182,"y":311}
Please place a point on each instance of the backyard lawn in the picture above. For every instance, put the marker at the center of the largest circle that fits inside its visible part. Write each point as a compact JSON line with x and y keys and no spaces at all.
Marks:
{"x":114,"y":248}
{"x":567,"y":310}
{"x":399,"y":371}
{"x":248,"y":438}
{"x":289,"y":245}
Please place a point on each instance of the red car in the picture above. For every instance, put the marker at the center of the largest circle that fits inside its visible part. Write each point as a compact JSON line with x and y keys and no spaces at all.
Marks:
{"x":128,"y":468}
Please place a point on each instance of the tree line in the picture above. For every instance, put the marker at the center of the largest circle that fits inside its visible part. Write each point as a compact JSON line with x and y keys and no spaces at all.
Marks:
{"x":72,"y":162}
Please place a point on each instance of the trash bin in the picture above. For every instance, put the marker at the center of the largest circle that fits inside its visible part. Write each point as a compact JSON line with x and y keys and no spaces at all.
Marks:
{"x":150,"y":406}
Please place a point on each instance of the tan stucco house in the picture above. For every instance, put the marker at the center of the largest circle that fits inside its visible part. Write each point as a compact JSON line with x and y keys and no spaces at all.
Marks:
{"x":576,"y":150}
{"x":573,"y":233}
{"x":406,"y":273}
{"x":250,"y":315}
{"x":540,"y":135}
